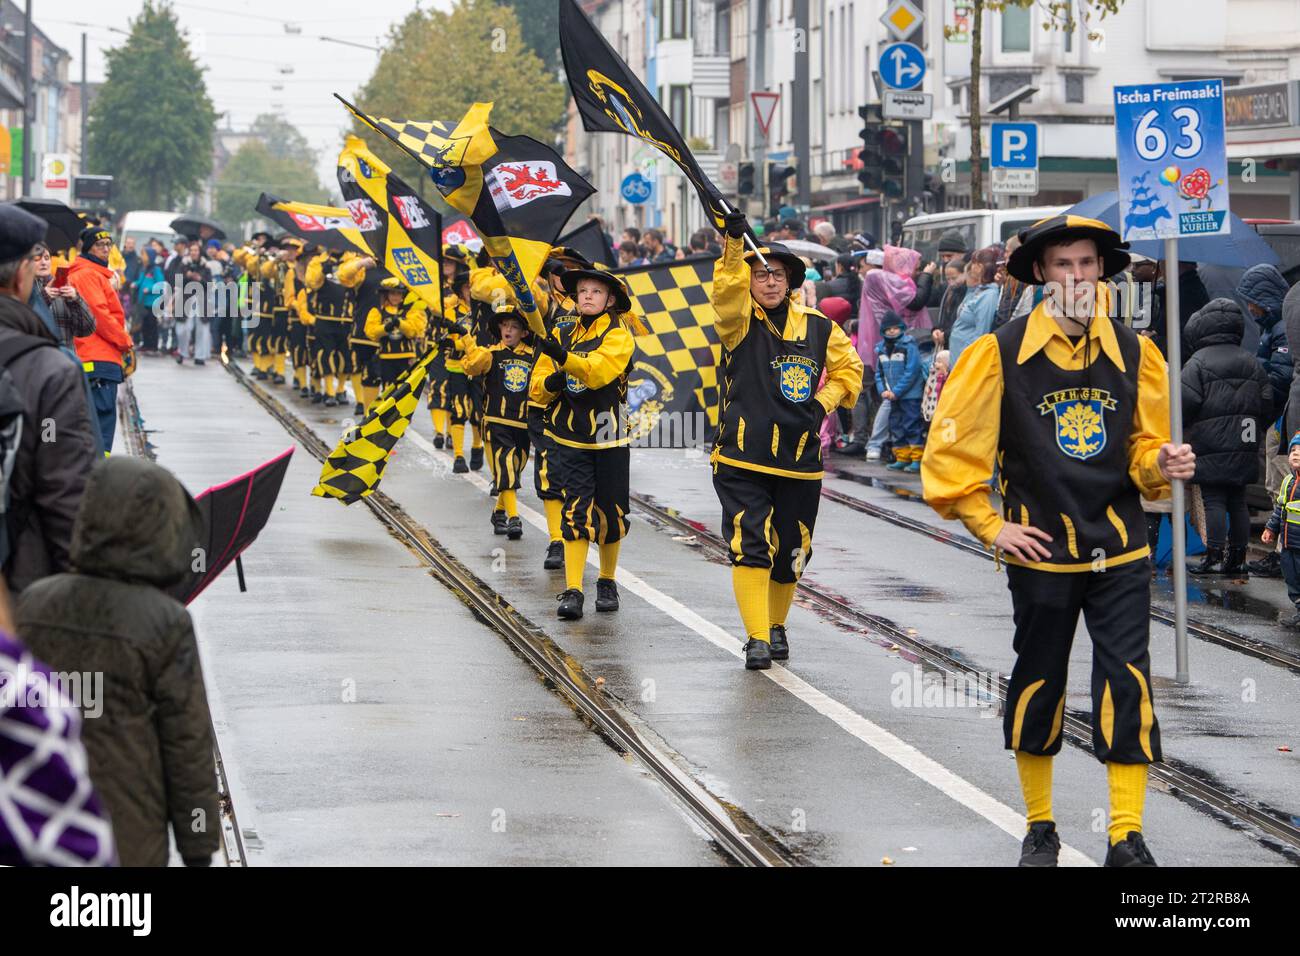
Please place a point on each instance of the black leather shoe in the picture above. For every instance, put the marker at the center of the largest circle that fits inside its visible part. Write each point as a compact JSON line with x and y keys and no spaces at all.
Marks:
{"x":1211,"y":563}
{"x":570,"y":608}
{"x":515,"y":531}
{"x":259,"y":375}
{"x":758,"y":656}
{"x":330,"y":401}
{"x":1269,"y":566}
{"x":437,"y":439}
{"x":1234,"y":564}
{"x":554,"y":556}
{"x":498,"y":522}
{"x":780,"y":643}
{"x":606,"y":595}
{"x":359,"y":410}
{"x":459,"y":466}
{"x":277,"y":379}
{"x":475,"y":459}
{"x":1042,"y":846}
{"x":1130,"y":851}
{"x":304,"y":393}
{"x":317,"y":398}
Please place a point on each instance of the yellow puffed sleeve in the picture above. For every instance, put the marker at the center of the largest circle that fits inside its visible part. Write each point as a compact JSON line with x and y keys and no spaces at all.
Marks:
{"x":1150,"y":423}
{"x":843,"y":372}
{"x":963,"y":443}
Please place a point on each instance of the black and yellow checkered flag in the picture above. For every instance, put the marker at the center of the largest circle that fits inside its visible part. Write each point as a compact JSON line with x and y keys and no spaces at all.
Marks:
{"x":354,"y":468}
{"x":676,"y":300}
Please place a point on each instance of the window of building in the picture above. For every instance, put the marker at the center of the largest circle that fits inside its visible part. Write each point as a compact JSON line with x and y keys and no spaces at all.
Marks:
{"x":1003,"y":84}
{"x":721,"y":123}
{"x":677,"y":106}
{"x":722,"y":29}
{"x":1015,"y":29}
{"x":1074,"y":88}
{"x":678,"y":10}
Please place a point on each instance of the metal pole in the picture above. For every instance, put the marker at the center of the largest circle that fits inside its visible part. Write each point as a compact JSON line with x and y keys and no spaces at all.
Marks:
{"x":1173,"y":334}
{"x":27,"y":99}
{"x":799,"y":105}
{"x":85,"y":167}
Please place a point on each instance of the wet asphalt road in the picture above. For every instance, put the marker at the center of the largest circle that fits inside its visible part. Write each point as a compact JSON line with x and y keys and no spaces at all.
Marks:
{"x":844,"y":754}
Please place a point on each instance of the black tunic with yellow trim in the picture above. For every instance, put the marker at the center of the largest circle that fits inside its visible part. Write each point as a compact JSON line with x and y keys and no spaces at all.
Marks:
{"x":1073,"y":424}
{"x":581,"y":416}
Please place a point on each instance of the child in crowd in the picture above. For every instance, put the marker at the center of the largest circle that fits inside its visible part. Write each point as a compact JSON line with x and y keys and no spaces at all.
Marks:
{"x":900,"y":382}
{"x":1285,"y":521}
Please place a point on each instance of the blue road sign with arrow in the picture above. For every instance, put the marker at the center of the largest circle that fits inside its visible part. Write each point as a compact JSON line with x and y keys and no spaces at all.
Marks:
{"x":1014,"y":146}
{"x":902,"y":66}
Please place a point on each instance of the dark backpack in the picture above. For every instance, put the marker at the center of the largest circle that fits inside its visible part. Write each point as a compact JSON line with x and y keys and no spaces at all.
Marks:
{"x":11,"y":431}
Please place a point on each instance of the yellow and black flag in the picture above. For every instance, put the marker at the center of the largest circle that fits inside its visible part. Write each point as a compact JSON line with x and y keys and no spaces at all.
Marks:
{"x":517,"y":192}
{"x":676,"y":365}
{"x":353,"y":469}
{"x":327,"y":226}
{"x":612,"y":100}
{"x":402,"y":231}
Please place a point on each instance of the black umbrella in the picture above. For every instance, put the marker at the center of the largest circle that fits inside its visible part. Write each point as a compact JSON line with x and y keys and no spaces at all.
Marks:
{"x":64,"y":225}
{"x":196,"y":227}
{"x":233,"y":515}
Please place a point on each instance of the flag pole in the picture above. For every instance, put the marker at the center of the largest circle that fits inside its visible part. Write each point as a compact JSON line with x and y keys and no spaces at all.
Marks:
{"x":1173,"y":335}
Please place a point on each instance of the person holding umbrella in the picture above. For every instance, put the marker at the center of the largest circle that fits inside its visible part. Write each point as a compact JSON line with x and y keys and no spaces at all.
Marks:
{"x":1074,"y":410}
{"x":102,"y":351}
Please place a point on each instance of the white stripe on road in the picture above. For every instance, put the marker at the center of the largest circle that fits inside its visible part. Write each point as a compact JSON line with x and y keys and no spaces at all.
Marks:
{"x":882,"y":741}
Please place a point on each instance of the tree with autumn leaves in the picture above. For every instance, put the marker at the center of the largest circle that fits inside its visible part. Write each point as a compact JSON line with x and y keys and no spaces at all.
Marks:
{"x":436,"y":64}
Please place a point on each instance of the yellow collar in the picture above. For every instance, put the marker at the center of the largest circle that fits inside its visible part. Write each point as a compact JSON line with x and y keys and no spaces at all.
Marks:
{"x":1042,"y":328}
{"x":796,"y":319}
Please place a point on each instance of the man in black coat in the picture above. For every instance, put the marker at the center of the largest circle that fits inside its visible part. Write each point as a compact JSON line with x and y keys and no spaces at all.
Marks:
{"x":57,"y":447}
{"x":1227,"y":404}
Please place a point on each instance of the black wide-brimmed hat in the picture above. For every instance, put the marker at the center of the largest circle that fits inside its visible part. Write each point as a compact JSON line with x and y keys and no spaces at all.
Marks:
{"x":1056,"y":230}
{"x":795,"y":269}
{"x":622,"y":299}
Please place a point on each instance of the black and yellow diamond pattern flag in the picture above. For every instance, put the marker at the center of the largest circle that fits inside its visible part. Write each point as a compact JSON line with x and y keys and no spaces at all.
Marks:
{"x":353,"y":469}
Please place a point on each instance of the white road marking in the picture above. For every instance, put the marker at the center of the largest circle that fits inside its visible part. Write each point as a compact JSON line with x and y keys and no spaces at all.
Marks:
{"x":873,"y":735}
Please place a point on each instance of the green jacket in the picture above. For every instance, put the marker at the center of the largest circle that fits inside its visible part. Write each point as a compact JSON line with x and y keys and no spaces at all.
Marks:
{"x":150,"y":749}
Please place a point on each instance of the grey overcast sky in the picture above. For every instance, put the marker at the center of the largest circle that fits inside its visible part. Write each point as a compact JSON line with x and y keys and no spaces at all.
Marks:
{"x":246,"y":48}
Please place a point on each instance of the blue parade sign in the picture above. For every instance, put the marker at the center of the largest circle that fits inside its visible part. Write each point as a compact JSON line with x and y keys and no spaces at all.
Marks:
{"x":1172,"y":158}
{"x":635,"y":188}
{"x":901,"y":66}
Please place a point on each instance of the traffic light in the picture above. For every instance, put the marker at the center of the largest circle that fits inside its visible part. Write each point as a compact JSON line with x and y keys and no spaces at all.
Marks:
{"x":778,"y":187}
{"x":883,"y":155}
{"x":745,"y":179}
{"x":869,"y":174}
{"x":893,"y":164}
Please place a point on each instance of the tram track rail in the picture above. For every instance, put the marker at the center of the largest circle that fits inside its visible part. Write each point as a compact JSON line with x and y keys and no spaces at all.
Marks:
{"x":1201,"y":630}
{"x":1272,"y":828}
{"x":733,"y":831}
{"x":232,"y":838}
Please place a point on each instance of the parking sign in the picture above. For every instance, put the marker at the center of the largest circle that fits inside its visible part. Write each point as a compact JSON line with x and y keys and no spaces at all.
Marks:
{"x":1172,"y":157}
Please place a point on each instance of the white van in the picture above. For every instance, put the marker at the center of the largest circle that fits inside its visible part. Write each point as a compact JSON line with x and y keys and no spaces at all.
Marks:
{"x":144,"y":224}
{"x":979,"y":227}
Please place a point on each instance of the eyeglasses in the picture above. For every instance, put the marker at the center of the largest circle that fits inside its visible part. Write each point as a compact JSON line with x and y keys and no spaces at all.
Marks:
{"x":769,"y":275}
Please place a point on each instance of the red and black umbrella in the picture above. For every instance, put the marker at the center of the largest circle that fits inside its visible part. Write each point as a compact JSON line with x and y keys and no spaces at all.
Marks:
{"x":233,"y":515}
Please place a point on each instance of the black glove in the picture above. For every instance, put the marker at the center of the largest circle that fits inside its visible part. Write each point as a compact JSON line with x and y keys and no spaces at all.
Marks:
{"x":735,"y":224}
{"x":457,"y":328}
{"x":554,"y":382}
{"x":447,"y":342}
{"x":553,"y":350}
{"x":483,"y":258}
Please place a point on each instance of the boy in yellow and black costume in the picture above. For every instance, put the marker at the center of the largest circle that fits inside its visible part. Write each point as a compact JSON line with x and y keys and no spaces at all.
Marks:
{"x":561,"y":311}
{"x":453,"y":404}
{"x":767,"y":466}
{"x":505,"y":368}
{"x":580,"y":378}
{"x":254,"y":259}
{"x":326,"y":305}
{"x":397,"y":329}
{"x":455,"y":272}
{"x":288,"y":272}
{"x":363,"y":352}
{"x":1073,"y":408}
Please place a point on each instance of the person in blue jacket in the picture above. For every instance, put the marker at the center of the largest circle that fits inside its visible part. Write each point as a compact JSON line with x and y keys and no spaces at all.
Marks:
{"x":1262,"y":288}
{"x":900,"y":382}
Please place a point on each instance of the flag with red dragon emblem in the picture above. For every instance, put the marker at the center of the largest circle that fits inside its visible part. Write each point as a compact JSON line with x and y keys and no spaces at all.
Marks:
{"x":517,"y":192}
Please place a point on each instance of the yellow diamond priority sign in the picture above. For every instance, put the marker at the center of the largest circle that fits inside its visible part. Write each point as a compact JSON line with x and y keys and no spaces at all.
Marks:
{"x":902,"y":18}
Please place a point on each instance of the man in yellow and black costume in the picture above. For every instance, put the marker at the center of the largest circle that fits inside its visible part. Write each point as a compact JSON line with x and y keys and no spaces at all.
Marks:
{"x":767,"y":464}
{"x":1071,"y":410}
